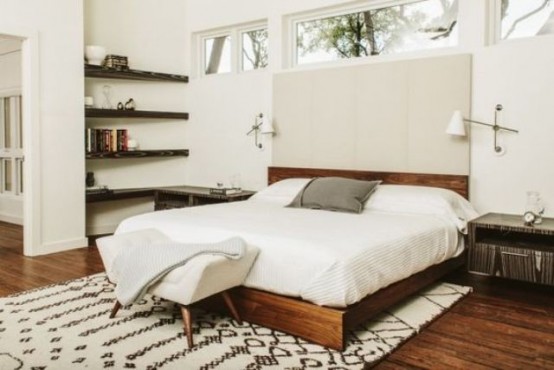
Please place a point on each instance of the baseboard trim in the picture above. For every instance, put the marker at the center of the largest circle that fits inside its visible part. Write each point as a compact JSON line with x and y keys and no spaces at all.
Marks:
{"x":11,"y":219}
{"x":101,"y":229}
{"x":62,"y":246}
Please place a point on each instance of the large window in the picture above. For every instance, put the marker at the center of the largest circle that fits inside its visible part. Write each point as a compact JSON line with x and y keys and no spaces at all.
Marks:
{"x":239,"y":48}
{"x":11,"y":146}
{"x":524,"y":18}
{"x":373,"y":31}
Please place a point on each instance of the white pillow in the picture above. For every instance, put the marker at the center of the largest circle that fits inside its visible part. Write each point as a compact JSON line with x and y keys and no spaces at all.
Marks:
{"x":281,"y":192}
{"x":422,"y":200}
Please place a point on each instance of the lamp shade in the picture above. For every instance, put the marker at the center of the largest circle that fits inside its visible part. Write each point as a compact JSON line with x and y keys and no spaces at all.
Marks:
{"x":456,"y":126}
{"x":266,"y":127}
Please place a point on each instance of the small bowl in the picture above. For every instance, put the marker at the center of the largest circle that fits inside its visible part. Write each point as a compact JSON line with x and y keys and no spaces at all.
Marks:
{"x":95,"y":54}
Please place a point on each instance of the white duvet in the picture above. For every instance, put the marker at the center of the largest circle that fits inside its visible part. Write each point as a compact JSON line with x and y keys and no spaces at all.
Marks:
{"x":328,"y":258}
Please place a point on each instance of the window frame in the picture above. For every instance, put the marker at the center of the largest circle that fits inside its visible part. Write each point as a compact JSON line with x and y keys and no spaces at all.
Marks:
{"x":240,"y":46}
{"x":290,"y":51}
{"x":14,"y":153}
{"x":496,"y":26}
{"x":203,"y":59}
{"x":235,"y":34}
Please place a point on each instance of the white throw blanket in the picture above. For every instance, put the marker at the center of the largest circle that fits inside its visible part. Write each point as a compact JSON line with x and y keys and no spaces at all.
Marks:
{"x":143,"y":265}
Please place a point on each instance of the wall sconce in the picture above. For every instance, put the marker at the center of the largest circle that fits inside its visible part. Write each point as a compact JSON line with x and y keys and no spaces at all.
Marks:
{"x":261,"y":126}
{"x":456,"y":127}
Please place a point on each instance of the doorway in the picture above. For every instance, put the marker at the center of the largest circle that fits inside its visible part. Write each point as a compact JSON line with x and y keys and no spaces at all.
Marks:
{"x":11,"y":132}
{"x":20,"y":135}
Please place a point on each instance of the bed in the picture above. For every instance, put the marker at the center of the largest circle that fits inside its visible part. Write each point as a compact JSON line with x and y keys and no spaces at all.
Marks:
{"x":310,"y":278}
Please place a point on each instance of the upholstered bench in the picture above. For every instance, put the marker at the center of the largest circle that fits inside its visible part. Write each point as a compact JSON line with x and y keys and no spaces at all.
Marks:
{"x":201,"y":277}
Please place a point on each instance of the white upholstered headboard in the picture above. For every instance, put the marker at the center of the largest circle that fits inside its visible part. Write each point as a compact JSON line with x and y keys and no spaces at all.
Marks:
{"x":388,"y":116}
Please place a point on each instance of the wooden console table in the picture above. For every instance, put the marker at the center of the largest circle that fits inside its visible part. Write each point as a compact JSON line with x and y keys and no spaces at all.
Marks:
{"x":171,"y":196}
{"x":189,"y":196}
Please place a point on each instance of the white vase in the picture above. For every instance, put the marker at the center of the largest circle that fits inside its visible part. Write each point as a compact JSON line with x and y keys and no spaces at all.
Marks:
{"x":95,"y":54}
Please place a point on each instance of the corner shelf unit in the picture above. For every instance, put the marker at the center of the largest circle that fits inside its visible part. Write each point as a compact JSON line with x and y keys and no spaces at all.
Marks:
{"x":93,"y":71}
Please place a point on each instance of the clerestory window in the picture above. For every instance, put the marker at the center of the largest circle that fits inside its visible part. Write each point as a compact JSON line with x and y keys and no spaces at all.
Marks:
{"x":525,"y":18}
{"x":408,"y":26}
{"x":235,"y":49}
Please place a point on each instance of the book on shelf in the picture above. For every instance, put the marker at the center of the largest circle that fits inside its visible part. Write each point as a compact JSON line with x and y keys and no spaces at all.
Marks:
{"x":224,"y":191}
{"x":98,"y":140}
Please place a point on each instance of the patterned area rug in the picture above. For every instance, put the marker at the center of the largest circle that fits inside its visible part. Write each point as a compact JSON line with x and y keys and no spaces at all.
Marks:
{"x":66,"y":326}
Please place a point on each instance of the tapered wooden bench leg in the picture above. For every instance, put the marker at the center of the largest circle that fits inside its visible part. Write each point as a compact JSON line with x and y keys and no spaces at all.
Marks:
{"x":187,"y":324}
{"x":115,"y":308}
{"x":231,"y":306}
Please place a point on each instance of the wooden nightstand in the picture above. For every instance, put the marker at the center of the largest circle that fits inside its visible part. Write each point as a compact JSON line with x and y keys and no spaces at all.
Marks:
{"x":501,"y":245}
{"x":189,"y":196}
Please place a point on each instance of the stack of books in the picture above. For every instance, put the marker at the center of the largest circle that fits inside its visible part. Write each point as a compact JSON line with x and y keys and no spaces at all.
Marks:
{"x":224,"y":191}
{"x":98,"y":140}
{"x":118,"y":62}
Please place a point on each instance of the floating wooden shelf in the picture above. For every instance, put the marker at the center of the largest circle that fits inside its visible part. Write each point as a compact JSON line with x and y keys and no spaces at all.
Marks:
{"x":115,"y":113}
{"x":139,"y":154}
{"x":119,"y":194}
{"x":132,"y":74}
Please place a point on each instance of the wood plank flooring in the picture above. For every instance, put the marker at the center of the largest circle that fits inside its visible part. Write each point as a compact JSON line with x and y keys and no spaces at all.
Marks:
{"x":18,"y":273}
{"x":502,"y":325}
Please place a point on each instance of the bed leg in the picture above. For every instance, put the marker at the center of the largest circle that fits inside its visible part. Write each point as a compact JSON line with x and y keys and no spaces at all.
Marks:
{"x":231,"y":306}
{"x":115,"y":308}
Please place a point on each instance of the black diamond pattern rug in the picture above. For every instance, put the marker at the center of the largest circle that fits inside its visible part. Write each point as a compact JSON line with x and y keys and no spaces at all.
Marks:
{"x":66,"y":326}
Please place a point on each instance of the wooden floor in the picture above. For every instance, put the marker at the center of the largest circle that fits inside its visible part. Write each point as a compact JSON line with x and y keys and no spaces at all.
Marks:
{"x":502,"y":325}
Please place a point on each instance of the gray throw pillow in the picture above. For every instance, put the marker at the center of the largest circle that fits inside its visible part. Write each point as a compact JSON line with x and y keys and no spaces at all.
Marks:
{"x":335,"y":194}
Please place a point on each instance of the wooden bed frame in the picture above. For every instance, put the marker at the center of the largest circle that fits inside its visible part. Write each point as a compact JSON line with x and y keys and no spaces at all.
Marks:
{"x":329,"y":326}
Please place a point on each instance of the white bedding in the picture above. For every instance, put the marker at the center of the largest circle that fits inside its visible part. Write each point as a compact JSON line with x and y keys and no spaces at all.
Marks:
{"x":328,"y":258}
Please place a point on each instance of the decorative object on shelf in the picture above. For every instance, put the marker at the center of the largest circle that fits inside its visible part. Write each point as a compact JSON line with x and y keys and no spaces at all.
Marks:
{"x":89,"y":102}
{"x":120,"y":106}
{"x":534,"y":209}
{"x":261,"y":126}
{"x":456,"y":127}
{"x":117,"y":62}
{"x":130,"y":105}
{"x":132,"y":144}
{"x":235,"y":181}
{"x":95,"y":54}
{"x":90,"y":181}
{"x":107,"y":91}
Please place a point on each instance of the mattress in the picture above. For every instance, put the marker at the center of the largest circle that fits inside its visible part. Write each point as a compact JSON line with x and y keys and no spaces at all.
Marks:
{"x":328,"y":258}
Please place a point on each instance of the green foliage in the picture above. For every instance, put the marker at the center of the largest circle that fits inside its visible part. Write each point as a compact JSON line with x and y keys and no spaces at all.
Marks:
{"x":369,"y":32}
{"x":258,"y":54}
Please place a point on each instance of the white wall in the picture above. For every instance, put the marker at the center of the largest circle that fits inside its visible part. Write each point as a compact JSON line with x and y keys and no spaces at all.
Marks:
{"x":11,"y":207}
{"x":10,"y":65}
{"x":516,"y":74}
{"x":59,"y":25}
{"x":152,"y":34}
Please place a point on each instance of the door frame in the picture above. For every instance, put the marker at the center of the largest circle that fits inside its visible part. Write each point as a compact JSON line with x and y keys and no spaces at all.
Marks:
{"x":30,"y":85}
